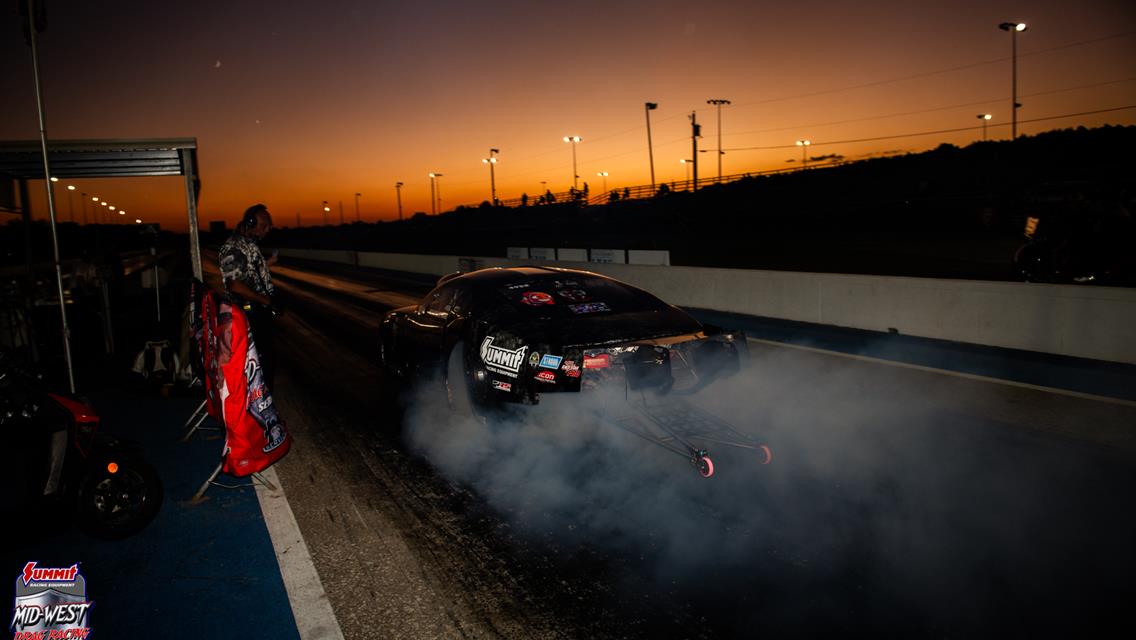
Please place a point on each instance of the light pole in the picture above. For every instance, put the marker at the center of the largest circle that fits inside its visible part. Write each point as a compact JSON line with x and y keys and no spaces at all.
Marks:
{"x":804,"y":145}
{"x":94,"y":211}
{"x":83,"y":202}
{"x":357,"y":206}
{"x":398,"y":197}
{"x":649,"y":107}
{"x":687,"y":164}
{"x":491,"y":160}
{"x":326,"y":210}
{"x":70,"y":202}
{"x":718,"y":102}
{"x":984,"y":117}
{"x":575,"y":175}
{"x":603,"y":174}
{"x":1013,"y":28}
{"x":435,"y":201}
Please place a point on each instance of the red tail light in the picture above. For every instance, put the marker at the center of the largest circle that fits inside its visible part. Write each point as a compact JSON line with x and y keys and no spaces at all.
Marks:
{"x":598,"y":361}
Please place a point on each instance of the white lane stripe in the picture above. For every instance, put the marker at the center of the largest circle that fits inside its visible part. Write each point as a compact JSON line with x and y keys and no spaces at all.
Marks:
{"x":957,"y":374}
{"x":315,"y":619}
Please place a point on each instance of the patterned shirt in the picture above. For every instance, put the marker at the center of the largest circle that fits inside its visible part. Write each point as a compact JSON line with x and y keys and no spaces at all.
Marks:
{"x":240,"y":259}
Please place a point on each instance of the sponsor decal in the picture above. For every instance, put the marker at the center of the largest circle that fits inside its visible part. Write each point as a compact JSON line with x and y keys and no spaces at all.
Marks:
{"x":502,"y":386}
{"x":574,"y":295}
{"x":589,"y":307}
{"x":51,"y":602}
{"x":546,"y":376}
{"x":571,"y":369}
{"x":514,"y":287}
{"x":534,"y":358}
{"x":536,"y":298}
{"x":550,"y":361}
{"x":499,"y":359}
{"x":598,"y":361}
{"x":572,"y":373}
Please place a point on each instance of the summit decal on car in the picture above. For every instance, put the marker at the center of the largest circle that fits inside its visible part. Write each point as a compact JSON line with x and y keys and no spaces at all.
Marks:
{"x":502,"y":360}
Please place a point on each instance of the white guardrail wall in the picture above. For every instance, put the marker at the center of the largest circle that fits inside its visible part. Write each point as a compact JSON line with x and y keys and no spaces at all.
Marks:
{"x":1082,"y":321}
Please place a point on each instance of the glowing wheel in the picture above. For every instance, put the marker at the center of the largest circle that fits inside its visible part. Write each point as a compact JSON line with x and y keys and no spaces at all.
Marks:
{"x":705,"y":466}
{"x":764,"y":454}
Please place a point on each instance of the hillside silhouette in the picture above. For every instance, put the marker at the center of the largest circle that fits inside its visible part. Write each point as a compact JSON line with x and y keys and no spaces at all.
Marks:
{"x":949,"y":212}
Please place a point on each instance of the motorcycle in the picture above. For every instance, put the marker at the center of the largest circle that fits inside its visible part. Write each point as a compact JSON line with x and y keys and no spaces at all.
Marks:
{"x":63,"y":469}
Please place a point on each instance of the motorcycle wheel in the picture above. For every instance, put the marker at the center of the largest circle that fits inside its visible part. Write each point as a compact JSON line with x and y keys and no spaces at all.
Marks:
{"x":114,"y":505}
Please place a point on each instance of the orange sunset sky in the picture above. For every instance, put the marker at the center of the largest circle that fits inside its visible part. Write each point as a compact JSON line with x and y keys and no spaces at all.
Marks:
{"x":296,"y":103}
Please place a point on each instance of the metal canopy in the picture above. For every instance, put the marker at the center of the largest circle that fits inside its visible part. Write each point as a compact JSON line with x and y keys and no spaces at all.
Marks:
{"x":23,"y":159}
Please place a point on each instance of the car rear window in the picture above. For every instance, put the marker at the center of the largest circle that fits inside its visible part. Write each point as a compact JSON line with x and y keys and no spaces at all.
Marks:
{"x":576,"y":297}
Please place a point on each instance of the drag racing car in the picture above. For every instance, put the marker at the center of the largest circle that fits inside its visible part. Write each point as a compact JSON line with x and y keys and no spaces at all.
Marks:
{"x":509,"y":335}
{"x":513,"y":334}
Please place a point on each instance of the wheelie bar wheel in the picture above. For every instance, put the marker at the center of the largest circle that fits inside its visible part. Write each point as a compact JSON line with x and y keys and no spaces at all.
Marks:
{"x":764,"y":454}
{"x":703,"y":463}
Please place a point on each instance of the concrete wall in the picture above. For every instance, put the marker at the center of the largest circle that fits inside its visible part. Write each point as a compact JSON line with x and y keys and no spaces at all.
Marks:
{"x":1082,"y":321}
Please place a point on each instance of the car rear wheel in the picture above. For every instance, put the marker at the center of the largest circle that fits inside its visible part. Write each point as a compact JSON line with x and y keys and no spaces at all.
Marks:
{"x":458,"y":388}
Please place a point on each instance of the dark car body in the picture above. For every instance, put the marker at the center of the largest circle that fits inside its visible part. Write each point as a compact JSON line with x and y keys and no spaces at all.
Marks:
{"x":512,"y":334}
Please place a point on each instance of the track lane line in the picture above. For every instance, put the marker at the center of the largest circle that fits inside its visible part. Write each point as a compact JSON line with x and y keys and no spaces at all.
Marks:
{"x":311,"y":609}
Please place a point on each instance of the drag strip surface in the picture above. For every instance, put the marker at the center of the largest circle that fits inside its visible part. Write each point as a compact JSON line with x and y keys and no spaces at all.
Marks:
{"x":900,"y":502}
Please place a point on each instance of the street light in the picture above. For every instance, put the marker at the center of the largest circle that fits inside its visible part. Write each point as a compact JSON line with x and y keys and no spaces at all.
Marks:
{"x":984,"y":117}
{"x":718,"y":102}
{"x":398,"y":196}
{"x":575,"y":140}
{"x":70,"y":202}
{"x":649,"y":107}
{"x":357,"y":206}
{"x":1013,"y":28}
{"x":491,"y":160}
{"x":326,"y":210}
{"x":603,"y":174}
{"x":435,"y":201}
{"x":804,"y":145}
{"x":686,"y":162}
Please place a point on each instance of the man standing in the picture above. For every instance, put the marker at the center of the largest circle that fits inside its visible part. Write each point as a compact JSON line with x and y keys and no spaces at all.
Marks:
{"x":245,"y":275}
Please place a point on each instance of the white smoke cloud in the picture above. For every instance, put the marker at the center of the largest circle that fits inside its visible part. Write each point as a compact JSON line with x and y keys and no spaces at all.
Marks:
{"x":875,"y":492}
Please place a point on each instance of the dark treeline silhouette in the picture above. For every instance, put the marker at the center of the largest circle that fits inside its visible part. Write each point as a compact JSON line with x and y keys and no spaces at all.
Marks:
{"x":949,"y":212}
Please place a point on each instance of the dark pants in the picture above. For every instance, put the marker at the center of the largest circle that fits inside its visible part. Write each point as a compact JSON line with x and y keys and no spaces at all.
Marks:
{"x":261,"y":325}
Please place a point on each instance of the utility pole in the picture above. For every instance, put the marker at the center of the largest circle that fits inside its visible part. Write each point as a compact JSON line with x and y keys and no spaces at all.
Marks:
{"x":651,"y":106}
{"x":357,"y":206}
{"x":695,"y":134}
{"x":398,"y":196}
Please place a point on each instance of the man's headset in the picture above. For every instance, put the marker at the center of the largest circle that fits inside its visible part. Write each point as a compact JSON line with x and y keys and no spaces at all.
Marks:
{"x":248,"y":221}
